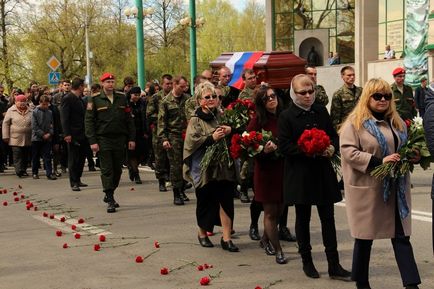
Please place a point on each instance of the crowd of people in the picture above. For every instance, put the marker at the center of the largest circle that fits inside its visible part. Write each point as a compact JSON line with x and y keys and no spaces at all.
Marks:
{"x":165,"y":127}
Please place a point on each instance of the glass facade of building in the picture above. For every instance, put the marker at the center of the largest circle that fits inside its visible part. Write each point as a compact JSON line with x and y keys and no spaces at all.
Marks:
{"x":338,"y":17}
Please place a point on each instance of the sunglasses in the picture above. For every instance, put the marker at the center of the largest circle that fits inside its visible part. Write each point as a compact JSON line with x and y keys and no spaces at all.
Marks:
{"x":208,"y":97}
{"x":304,"y":92}
{"x":269,"y":97}
{"x":380,"y":96}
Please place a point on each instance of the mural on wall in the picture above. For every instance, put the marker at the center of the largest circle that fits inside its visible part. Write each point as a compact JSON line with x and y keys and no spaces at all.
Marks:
{"x":415,"y":61}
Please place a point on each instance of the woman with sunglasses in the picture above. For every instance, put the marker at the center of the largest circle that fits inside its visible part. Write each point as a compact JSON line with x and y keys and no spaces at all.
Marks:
{"x":214,"y":186}
{"x":268,"y":172}
{"x":376,"y":209}
{"x":310,"y":180}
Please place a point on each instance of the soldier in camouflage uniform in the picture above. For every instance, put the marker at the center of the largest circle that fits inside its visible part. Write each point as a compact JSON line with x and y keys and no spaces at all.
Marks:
{"x":321,"y":96}
{"x":403,"y":95}
{"x":161,"y":160}
{"x":247,"y":167}
{"x":249,"y":78}
{"x":109,"y":126}
{"x":230,"y":94}
{"x":172,"y":123}
{"x":345,"y":98}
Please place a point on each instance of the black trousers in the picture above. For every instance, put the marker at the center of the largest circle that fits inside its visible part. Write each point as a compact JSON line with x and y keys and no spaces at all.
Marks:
{"x":41,"y":149}
{"x":76,"y":157}
{"x":403,"y":255}
{"x":328,"y":230}
{"x":21,"y":158}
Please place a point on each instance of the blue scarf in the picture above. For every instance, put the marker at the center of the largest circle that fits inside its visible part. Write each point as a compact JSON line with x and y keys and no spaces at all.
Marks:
{"x":371,"y":126}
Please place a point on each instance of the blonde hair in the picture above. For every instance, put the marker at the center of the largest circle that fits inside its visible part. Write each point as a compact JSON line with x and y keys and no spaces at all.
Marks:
{"x":203,"y":87}
{"x":361,"y":111}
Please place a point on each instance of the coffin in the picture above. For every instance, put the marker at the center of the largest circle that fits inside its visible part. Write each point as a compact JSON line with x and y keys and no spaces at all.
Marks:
{"x":277,"y":68}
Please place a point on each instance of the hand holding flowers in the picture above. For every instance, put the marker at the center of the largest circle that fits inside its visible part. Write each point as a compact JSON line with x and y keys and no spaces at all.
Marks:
{"x":414,"y":151}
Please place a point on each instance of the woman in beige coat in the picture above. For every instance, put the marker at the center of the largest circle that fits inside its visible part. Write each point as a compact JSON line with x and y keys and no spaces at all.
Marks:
{"x":372,"y":135}
{"x":17,"y":132}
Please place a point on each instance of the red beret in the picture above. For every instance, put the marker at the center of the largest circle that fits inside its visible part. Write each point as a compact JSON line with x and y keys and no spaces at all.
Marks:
{"x":105,"y":76}
{"x":398,"y":70}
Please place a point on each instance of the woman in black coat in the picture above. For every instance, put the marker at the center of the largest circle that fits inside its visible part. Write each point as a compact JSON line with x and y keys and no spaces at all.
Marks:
{"x":310,"y":180}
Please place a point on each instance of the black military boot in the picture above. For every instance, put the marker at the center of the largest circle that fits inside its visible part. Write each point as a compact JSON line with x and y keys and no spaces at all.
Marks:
{"x":335,"y":269}
{"x":137,"y":179}
{"x":184,"y":196}
{"x":244,"y":196}
{"x":308,"y":266}
{"x":162,"y":185}
{"x":111,"y":208}
{"x":177,"y":199}
{"x":107,"y":198}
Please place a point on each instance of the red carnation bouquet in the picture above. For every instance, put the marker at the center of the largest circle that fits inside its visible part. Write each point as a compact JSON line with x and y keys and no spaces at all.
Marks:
{"x":315,"y":142}
{"x":238,"y":113}
{"x":249,"y":144}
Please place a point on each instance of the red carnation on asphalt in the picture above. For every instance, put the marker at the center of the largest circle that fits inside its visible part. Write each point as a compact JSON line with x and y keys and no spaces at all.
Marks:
{"x":258,"y":287}
{"x":45,"y":214}
{"x":15,"y":193}
{"x":96,"y":247}
{"x":16,"y":199}
{"x":5,"y":191}
{"x":27,"y":202}
{"x":23,"y":196}
{"x":52,"y":216}
{"x":65,"y":246}
{"x":206,"y":266}
{"x":156,"y":244}
{"x":102,"y":238}
{"x":132,"y":189}
{"x":139,"y":259}
{"x":73,"y":227}
{"x":59,"y":233}
{"x":62,"y":219}
{"x":77,"y":236}
{"x":200,"y":268}
{"x":204,"y":281}
{"x":164,"y":271}
{"x":80,"y":221}
{"x":35,"y":208}
{"x":5,"y":203}
{"x":28,"y":207}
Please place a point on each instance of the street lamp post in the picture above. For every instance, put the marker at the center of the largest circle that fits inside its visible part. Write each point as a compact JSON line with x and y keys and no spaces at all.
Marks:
{"x":140,"y":45}
{"x":193,"y":23}
{"x":138,"y":12}
{"x":193,"y":57}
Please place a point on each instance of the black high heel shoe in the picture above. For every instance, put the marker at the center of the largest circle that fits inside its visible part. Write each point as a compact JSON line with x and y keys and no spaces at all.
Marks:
{"x":228,"y":246}
{"x":205,"y":242}
{"x":280,"y":258}
{"x":266,"y":245}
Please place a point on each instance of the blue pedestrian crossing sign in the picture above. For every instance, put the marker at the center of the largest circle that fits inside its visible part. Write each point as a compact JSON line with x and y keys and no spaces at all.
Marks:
{"x":53,"y":77}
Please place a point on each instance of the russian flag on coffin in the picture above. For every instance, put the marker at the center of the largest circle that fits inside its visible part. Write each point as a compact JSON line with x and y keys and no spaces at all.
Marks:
{"x":240,"y":61}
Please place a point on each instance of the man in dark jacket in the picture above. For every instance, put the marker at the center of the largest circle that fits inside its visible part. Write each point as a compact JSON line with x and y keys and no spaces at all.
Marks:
{"x":428,"y":123}
{"x":72,"y":113}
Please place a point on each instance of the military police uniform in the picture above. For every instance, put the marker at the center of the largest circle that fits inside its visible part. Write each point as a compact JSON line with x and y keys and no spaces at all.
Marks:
{"x":110,"y":125}
{"x":161,"y":160}
{"x":405,"y":104}
{"x":321,"y":96}
{"x":343,"y":102}
{"x":172,"y":123}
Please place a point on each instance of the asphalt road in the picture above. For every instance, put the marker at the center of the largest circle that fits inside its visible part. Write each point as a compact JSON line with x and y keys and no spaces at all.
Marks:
{"x":32,"y":256}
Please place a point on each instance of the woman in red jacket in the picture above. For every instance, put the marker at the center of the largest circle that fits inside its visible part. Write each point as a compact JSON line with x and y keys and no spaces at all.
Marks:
{"x":268,"y":173}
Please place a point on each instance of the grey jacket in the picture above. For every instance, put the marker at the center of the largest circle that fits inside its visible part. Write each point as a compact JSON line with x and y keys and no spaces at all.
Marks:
{"x":42,"y":123}
{"x":428,"y":123}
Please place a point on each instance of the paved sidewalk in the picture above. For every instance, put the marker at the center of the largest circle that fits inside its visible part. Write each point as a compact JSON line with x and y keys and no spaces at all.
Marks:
{"x":31,"y":255}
